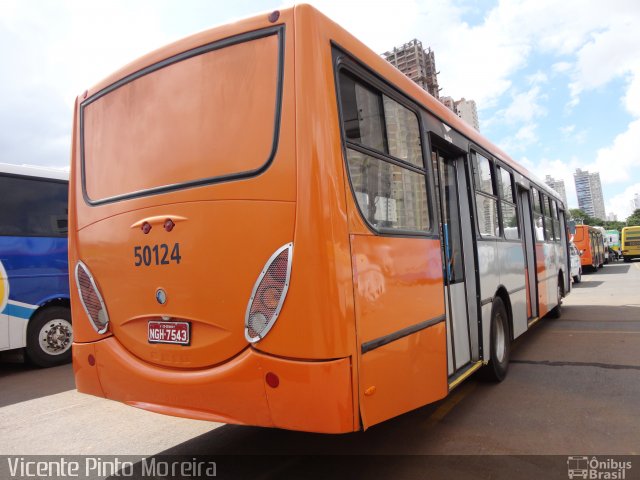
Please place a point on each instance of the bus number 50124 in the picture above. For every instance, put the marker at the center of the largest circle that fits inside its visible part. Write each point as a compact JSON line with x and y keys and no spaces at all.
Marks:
{"x":156,"y":254}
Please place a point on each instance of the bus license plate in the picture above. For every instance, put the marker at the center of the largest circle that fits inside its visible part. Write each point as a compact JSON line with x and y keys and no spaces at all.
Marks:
{"x":178,"y":333}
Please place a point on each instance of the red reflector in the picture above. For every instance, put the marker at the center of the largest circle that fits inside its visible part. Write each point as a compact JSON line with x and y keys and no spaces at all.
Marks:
{"x":146,"y":227}
{"x":91,"y":360}
{"x":168,"y":225}
{"x":272,"y":380}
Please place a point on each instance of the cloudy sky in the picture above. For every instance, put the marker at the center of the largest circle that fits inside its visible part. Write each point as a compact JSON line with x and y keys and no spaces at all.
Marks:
{"x":557,"y":83}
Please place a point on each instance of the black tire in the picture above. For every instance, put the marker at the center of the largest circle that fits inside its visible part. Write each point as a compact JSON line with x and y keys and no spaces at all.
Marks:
{"x":556,"y":311}
{"x":496,"y":369}
{"x":627,"y":259}
{"x":49,"y":337}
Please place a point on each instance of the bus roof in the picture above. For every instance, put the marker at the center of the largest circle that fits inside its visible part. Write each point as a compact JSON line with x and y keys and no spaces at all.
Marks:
{"x":35,"y":171}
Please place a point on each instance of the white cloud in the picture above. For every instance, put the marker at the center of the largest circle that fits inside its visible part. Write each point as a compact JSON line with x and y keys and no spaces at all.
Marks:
{"x":523,"y":138}
{"x":561,"y":67}
{"x":524,"y":107}
{"x":570,"y":134}
{"x":621,"y":204}
{"x":617,"y":162}
{"x":537,"y":78}
{"x":607,"y":55}
{"x":560,"y":170}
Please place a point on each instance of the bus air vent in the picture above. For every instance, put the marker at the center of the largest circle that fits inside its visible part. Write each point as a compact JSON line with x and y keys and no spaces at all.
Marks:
{"x":91,"y":299}
{"x":268,"y":294}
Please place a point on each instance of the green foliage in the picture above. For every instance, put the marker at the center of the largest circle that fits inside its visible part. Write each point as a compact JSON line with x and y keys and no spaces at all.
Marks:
{"x":581,"y":217}
{"x":634,"y":218}
{"x":614,"y":225}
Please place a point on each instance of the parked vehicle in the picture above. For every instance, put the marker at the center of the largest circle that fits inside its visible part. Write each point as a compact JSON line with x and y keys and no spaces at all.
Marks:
{"x":590,"y":244}
{"x":286,"y":231}
{"x":613,"y":237}
{"x":630,"y":243}
{"x":576,"y":266}
{"x":605,"y":242}
{"x":34,"y":277}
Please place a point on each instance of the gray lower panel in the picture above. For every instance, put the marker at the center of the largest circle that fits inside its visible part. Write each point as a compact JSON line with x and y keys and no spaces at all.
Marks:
{"x":460,"y":324}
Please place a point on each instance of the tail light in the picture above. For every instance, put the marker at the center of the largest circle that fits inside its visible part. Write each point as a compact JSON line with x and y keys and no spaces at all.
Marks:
{"x":91,"y":299}
{"x":268,"y":294}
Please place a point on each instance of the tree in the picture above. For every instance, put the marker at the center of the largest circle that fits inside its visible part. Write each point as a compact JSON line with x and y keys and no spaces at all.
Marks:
{"x":614,"y":225}
{"x":634,"y":218}
{"x":581,"y":217}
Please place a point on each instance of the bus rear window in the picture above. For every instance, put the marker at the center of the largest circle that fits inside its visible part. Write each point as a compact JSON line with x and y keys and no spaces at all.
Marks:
{"x":198,"y":119}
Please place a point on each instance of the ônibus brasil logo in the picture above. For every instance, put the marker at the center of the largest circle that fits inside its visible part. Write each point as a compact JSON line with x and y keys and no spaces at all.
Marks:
{"x":595,"y":468}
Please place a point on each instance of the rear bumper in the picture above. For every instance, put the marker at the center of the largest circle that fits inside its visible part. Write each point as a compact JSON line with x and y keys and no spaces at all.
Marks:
{"x":311,"y":396}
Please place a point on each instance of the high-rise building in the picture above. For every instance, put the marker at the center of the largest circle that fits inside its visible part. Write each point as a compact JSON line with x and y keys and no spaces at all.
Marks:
{"x":449,"y":103}
{"x":558,"y":186}
{"x":612,"y":217}
{"x":416,"y":63}
{"x":635,"y":203}
{"x":583,"y":191}
{"x":598,"y":197}
{"x":589,"y":192}
{"x":467,"y":111}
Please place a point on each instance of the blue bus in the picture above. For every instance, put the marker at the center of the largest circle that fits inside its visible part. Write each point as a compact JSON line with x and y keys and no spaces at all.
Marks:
{"x":35,"y":311}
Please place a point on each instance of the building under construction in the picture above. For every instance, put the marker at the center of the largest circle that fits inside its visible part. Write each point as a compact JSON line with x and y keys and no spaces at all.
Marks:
{"x":416,"y":63}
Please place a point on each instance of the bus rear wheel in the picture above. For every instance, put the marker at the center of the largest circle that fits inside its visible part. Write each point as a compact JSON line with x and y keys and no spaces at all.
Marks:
{"x":496,"y":370}
{"x":49,"y":337}
{"x":557,"y":310}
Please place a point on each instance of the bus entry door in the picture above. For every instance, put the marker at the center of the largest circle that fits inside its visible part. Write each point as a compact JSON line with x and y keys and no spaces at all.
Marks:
{"x":526,"y":222}
{"x":458,"y":261}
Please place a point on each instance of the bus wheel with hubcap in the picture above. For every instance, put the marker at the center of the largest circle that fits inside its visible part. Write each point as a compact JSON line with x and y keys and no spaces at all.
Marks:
{"x":49,"y":337}
{"x":557,"y":310}
{"x":498,"y":365}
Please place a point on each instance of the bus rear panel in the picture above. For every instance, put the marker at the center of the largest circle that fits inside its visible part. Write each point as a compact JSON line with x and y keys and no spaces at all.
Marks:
{"x":186,"y":244}
{"x":630,"y":243}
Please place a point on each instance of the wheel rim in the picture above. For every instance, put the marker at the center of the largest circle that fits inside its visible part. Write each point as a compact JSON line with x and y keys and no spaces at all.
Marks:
{"x":56,"y":336}
{"x":559,"y":296}
{"x":500,"y":339}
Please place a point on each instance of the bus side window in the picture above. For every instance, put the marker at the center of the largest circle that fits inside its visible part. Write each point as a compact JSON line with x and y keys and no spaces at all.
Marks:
{"x":556,"y":220}
{"x":537,"y":215}
{"x":486,"y":198}
{"x":548,"y":224}
{"x":508,"y":205}
{"x":384,"y":158}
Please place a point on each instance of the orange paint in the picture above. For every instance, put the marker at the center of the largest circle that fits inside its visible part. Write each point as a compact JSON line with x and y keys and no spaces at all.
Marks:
{"x":588,"y":240}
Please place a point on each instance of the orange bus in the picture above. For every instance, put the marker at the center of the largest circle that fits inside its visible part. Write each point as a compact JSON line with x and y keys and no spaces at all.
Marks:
{"x":590,"y":245}
{"x":271,"y":225}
